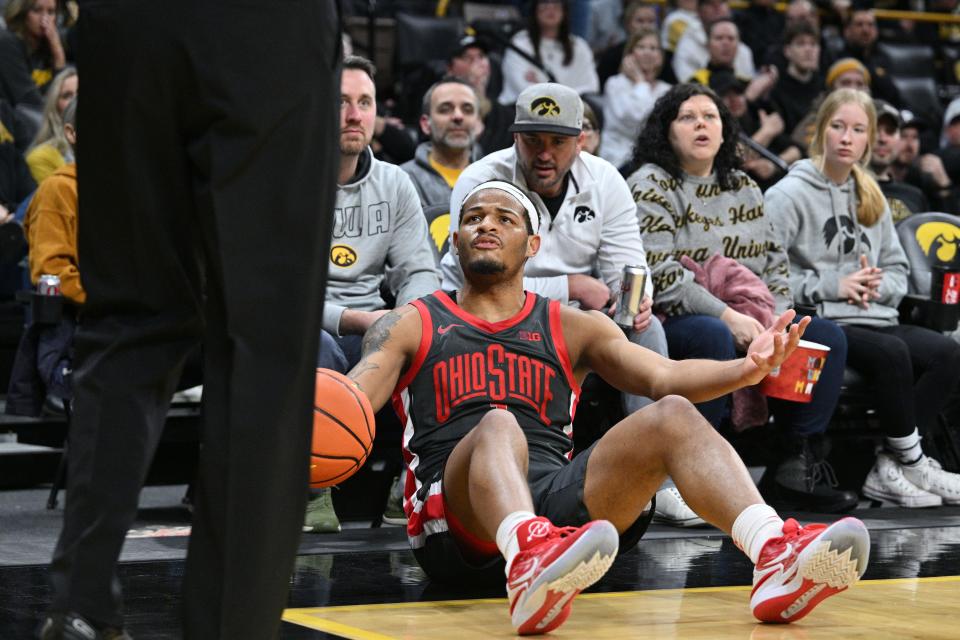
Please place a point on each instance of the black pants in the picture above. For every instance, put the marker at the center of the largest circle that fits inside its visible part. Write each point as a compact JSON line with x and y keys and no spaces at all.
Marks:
{"x":912,"y":372}
{"x":207,"y":173}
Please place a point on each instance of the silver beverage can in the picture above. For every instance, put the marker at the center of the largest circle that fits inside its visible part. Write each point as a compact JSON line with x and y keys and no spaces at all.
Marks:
{"x":632,"y":283}
{"x":48,"y":285}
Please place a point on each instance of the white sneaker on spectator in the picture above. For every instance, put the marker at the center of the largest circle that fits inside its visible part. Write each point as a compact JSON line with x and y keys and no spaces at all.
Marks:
{"x":673,"y":511}
{"x":930,"y":476}
{"x":886,"y":482}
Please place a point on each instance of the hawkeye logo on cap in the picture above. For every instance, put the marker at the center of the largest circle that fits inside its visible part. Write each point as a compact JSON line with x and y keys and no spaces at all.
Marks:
{"x":545,"y":107}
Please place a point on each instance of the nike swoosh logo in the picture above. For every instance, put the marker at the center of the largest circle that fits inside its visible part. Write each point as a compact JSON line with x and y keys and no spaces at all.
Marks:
{"x":443,"y":330}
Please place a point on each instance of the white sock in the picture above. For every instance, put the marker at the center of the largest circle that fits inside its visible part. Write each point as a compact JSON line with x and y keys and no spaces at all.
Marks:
{"x":907,"y":449}
{"x":756,"y":525}
{"x":506,"y":535}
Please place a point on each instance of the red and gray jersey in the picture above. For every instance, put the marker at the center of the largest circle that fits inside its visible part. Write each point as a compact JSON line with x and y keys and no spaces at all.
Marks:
{"x":463,"y":368}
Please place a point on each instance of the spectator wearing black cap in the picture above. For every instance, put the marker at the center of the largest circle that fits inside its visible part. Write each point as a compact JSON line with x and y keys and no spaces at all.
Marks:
{"x":923,"y":170}
{"x":801,"y":82}
{"x":904,"y":199}
{"x":471,"y":62}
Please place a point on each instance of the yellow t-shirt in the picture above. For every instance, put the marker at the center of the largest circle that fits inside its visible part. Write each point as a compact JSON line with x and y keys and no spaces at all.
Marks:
{"x":449,"y":174}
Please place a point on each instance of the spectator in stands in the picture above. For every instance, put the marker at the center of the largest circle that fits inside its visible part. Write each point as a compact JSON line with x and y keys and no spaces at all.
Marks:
{"x":629,"y":96}
{"x":638,"y":15}
{"x":15,"y":181}
{"x":590,"y":226}
{"x":451,"y":121}
{"x":469,"y":61}
{"x":903,"y":199}
{"x":34,"y":22}
{"x":925,"y":171}
{"x":846,"y":259}
{"x":699,"y":212}
{"x":798,"y":11}
{"x":860,"y":35}
{"x":723,"y":43}
{"x":547,"y":39}
{"x":379,"y":234}
{"x":51,"y":221}
{"x":763,"y":125}
{"x":678,"y":20}
{"x":760,"y":26}
{"x":800,"y":82}
{"x":849,"y":73}
{"x":44,"y":355}
{"x":50,"y":150}
{"x":17,"y":87}
{"x":692,"y":52}
{"x":949,"y":150}
{"x":591,"y":130}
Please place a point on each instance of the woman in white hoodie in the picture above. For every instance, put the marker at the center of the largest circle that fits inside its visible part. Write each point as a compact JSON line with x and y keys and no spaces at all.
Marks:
{"x":846,"y":259}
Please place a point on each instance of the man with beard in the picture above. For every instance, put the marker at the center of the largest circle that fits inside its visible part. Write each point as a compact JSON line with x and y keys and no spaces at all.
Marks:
{"x":378,"y":227}
{"x":451,"y":120}
{"x":904,"y":199}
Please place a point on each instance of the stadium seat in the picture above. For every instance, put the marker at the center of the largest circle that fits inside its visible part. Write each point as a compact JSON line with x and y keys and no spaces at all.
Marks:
{"x":928,"y":238}
{"x":920,"y":95}
{"x":908,"y":60}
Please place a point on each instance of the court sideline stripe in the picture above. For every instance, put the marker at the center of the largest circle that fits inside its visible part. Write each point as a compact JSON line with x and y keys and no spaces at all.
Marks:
{"x":306,"y":616}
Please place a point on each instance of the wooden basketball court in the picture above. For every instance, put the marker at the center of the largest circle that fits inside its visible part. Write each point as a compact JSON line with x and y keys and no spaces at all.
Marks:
{"x":895,"y":608}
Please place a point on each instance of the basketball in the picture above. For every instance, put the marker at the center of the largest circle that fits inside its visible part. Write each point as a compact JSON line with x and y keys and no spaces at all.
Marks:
{"x":343,"y":429}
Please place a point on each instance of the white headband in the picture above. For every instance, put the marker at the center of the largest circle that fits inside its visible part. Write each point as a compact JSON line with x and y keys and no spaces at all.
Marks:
{"x":532,"y":214}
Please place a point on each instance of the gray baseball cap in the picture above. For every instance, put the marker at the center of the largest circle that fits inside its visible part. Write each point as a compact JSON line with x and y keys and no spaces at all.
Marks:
{"x":549,"y":108}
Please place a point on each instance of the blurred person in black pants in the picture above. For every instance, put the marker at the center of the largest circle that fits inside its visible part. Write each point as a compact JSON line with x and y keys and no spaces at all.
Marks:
{"x":207,"y":176}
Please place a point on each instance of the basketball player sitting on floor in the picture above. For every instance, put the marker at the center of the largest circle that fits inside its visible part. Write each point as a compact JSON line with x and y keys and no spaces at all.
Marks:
{"x":486,"y":380}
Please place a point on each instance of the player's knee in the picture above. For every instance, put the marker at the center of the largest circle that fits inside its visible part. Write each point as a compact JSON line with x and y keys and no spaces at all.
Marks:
{"x":680,"y":416}
{"x":499,"y":424}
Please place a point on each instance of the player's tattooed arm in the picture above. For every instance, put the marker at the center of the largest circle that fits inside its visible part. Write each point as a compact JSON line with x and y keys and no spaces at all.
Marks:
{"x":387,"y":347}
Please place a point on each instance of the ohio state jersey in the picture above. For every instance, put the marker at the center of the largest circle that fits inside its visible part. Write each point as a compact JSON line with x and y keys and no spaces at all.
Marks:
{"x":465,"y":367}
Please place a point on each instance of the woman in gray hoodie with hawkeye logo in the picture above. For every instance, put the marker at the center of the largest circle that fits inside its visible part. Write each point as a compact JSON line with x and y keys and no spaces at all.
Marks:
{"x":846,"y":259}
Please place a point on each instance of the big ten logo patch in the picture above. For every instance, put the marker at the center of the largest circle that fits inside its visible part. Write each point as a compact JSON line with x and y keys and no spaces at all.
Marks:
{"x":583,"y":213}
{"x":545,"y":106}
{"x":939,"y":239}
{"x":343,"y":256}
{"x":351,"y":222}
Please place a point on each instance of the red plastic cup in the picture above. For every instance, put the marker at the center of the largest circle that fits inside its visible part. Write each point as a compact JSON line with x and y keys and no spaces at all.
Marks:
{"x":795,"y":378}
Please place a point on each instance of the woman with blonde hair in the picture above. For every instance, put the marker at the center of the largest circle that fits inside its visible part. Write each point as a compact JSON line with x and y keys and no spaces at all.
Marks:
{"x":846,"y":260}
{"x":50,"y":149}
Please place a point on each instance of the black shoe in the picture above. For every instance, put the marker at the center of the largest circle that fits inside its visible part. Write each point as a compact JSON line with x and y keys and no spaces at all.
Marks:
{"x":806,"y":481}
{"x":72,"y":626}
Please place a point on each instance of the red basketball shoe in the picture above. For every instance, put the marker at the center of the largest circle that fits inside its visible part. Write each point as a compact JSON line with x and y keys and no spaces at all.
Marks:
{"x":805,"y":565}
{"x":553,"y":566}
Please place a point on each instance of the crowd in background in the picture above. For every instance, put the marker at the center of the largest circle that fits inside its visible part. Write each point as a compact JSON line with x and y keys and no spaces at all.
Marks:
{"x":789,"y":127}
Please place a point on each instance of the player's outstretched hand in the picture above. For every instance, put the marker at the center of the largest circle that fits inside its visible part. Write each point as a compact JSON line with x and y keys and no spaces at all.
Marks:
{"x":769,"y":349}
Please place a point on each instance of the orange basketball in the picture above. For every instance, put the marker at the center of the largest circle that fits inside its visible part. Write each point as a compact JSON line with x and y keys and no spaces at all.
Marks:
{"x":343,"y":429}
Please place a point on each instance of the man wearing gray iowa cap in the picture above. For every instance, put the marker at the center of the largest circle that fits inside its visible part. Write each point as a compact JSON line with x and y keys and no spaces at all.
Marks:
{"x":589,"y":227}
